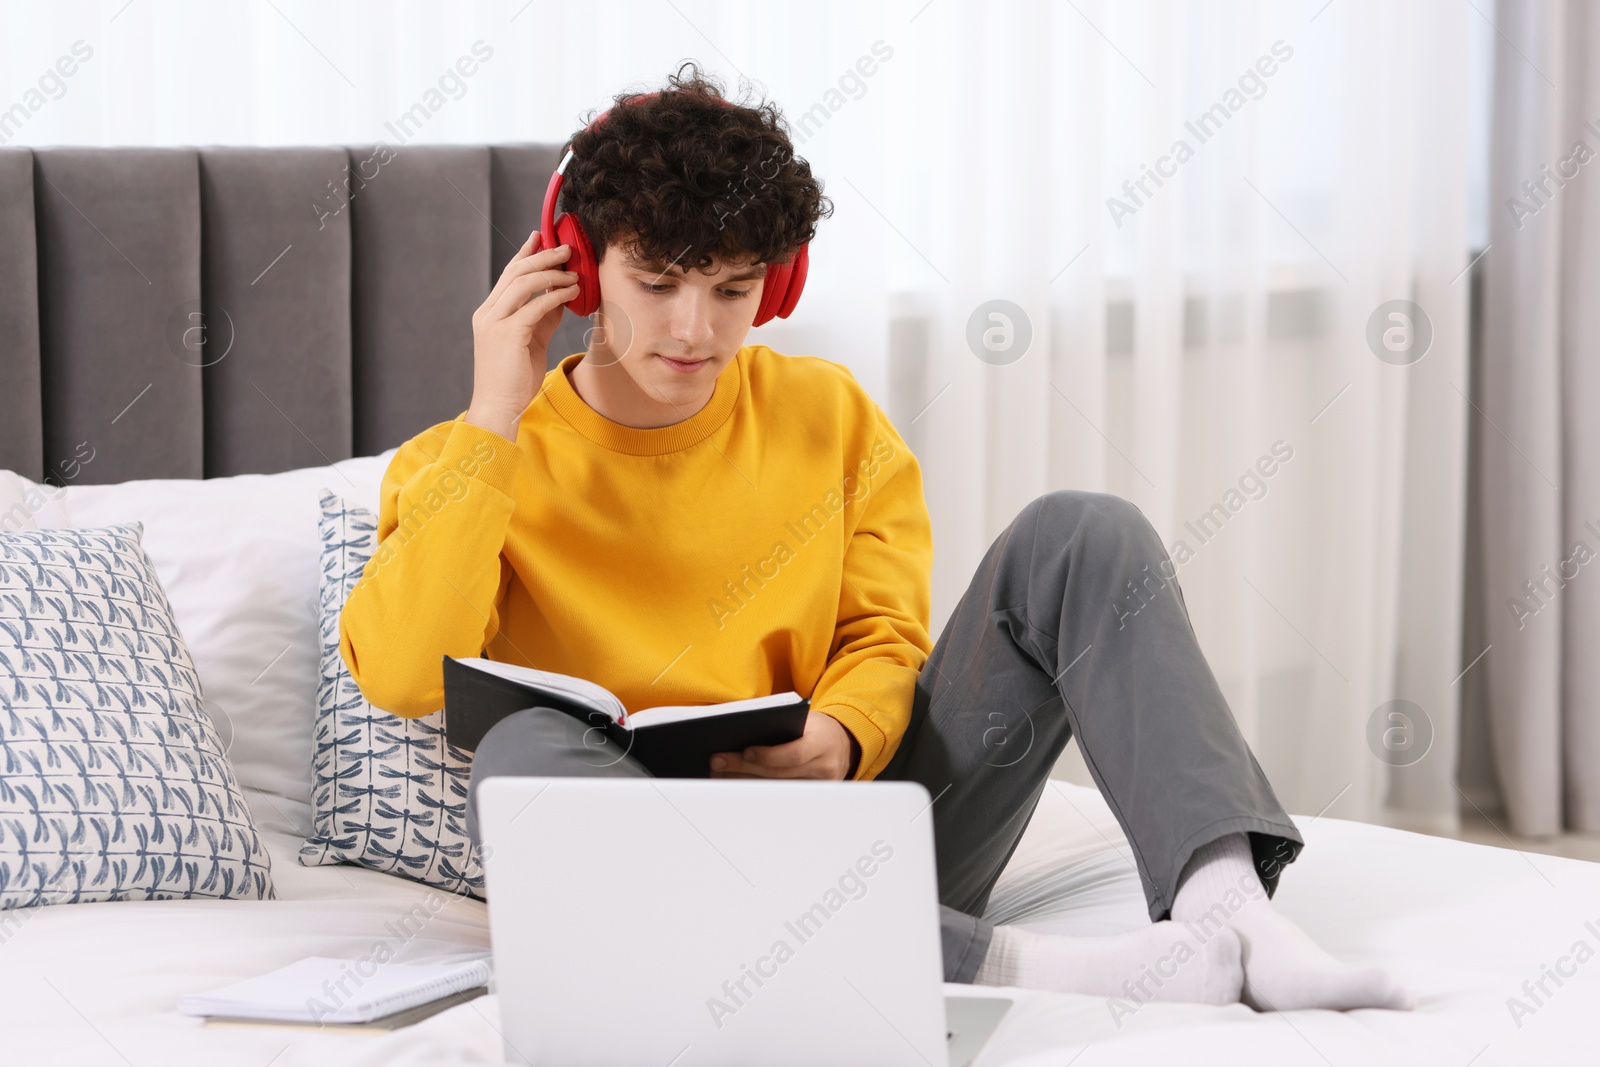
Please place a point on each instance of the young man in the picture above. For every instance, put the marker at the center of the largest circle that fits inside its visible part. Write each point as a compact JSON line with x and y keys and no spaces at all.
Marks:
{"x":685,"y":518}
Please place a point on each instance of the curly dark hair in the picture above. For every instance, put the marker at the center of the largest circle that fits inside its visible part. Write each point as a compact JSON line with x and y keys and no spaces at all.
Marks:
{"x":682,"y":178}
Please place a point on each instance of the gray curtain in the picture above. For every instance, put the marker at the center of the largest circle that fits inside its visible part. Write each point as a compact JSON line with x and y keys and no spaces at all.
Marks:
{"x":1538,"y":479}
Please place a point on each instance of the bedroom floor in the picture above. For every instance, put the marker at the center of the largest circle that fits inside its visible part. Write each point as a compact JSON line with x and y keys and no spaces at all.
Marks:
{"x":1481,"y":831}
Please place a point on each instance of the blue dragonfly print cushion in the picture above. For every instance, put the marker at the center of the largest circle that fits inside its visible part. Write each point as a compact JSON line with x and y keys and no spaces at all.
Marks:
{"x":113,"y":780}
{"x":389,"y":793}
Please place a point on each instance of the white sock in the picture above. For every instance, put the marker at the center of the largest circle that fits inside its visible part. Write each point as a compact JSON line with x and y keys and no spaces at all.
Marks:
{"x":1161,"y":962}
{"x":1283,"y":968}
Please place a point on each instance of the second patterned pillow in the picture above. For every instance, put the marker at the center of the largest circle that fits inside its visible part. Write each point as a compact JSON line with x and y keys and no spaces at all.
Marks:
{"x":389,"y":793}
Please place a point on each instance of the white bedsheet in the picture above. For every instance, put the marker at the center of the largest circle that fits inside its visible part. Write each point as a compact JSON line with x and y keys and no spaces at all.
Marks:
{"x":1464,"y":925}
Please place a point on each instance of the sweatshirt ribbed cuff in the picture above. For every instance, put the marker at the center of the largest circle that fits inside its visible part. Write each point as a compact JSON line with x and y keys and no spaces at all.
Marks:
{"x":866,"y":733}
{"x":481,"y":453}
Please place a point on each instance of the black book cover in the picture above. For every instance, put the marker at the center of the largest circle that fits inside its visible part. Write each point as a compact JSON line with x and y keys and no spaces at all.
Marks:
{"x":475,"y":700}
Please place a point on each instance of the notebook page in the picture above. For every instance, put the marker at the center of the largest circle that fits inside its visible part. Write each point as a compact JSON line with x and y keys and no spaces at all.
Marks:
{"x":579,"y":689}
{"x":680,"y":712}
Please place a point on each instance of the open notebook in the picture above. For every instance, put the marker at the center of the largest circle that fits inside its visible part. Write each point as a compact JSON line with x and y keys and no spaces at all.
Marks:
{"x":671,"y":741}
{"x":321,"y":991}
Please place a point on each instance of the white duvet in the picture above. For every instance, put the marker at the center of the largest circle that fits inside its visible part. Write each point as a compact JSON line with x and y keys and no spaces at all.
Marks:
{"x":1465,"y":926}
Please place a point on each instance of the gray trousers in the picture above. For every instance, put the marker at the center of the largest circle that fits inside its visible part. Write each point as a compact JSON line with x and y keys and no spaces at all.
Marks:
{"x":1073,"y":625}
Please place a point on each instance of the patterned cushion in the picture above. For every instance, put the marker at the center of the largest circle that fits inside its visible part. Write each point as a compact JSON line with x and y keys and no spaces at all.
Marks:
{"x":389,"y":793}
{"x":113,"y":783}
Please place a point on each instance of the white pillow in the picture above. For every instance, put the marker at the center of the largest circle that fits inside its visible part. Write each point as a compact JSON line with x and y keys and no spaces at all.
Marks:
{"x":238,"y":558}
{"x":28,"y":505}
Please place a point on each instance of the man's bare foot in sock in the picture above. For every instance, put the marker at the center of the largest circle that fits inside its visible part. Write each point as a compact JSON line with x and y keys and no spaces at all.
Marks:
{"x":1283,"y":968}
{"x":1163,"y":962}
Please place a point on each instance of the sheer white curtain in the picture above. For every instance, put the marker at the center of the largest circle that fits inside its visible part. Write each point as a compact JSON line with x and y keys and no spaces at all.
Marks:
{"x":1539,"y":482}
{"x":1225,"y":317}
{"x":1204,"y":330}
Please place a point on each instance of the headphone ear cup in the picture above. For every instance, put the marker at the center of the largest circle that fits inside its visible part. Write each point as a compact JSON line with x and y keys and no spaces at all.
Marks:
{"x":582,"y":261}
{"x":773,"y":288}
{"x":798,"y":269}
{"x":781,"y":290}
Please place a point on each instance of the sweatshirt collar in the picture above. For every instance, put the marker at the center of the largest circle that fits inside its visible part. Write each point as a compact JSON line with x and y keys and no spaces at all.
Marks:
{"x":655,"y":441}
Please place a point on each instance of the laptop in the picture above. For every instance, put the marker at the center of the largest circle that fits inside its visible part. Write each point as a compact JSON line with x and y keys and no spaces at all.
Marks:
{"x":705,"y":923}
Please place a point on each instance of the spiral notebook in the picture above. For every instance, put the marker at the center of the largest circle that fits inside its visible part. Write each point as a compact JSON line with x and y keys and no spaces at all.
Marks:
{"x":322,"y":991}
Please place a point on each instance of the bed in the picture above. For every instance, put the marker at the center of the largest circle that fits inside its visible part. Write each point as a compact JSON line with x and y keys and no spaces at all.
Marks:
{"x":326,"y":337}
{"x":1465,"y":925}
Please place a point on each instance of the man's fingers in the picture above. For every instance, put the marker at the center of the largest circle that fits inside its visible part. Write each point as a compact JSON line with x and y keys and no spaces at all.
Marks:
{"x":518,"y":264}
{"x":527,"y":247}
{"x":508,"y":271}
{"x":736,"y":766}
{"x":730,"y":763}
{"x":527,"y":286}
{"x":789,"y":754}
{"x":539,"y":306}
{"x":518,"y":286}
{"x":806,"y":771}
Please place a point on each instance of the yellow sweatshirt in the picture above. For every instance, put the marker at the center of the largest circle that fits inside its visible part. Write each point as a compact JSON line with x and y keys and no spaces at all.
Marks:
{"x":777,"y":539}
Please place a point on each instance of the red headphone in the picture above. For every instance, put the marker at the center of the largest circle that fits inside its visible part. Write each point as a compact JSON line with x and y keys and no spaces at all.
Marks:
{"x":780,"y":290}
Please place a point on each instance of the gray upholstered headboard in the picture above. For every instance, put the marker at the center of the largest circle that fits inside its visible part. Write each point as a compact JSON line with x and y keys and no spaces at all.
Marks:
{"x":197,"y":312}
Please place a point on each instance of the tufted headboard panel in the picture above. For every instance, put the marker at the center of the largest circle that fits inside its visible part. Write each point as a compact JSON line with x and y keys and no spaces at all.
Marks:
{"x":198,"y":312}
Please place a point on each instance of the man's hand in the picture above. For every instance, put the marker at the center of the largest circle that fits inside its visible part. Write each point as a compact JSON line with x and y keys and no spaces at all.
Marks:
{"x":823,"y":751}
{"x":511,"y":332}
